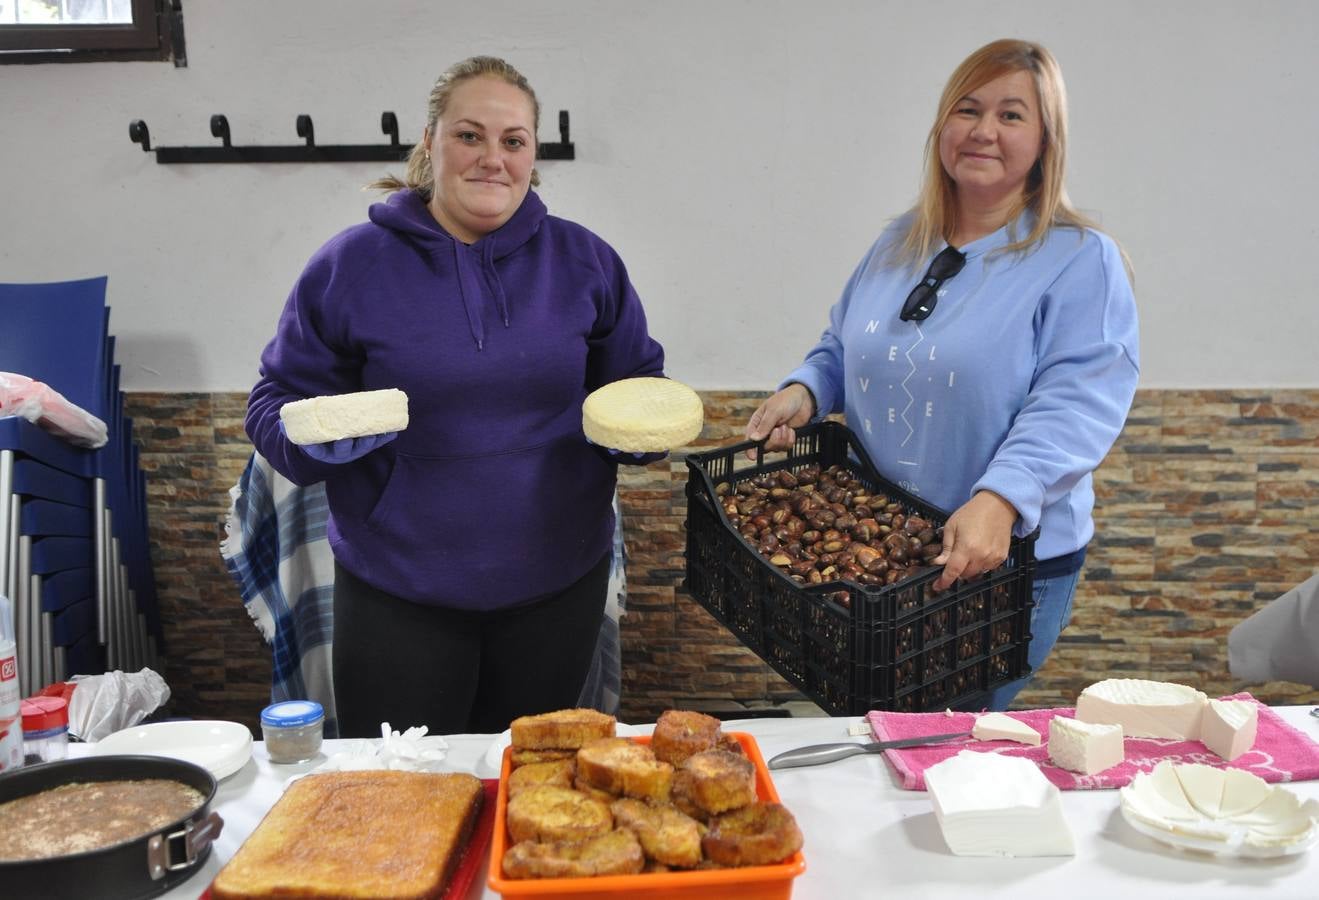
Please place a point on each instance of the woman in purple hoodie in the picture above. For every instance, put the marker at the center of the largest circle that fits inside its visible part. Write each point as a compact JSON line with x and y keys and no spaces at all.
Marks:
{"x":472,"y":549}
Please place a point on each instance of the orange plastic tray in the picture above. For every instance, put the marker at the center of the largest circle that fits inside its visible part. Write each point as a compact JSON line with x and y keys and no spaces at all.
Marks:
{"x":761,"y":882}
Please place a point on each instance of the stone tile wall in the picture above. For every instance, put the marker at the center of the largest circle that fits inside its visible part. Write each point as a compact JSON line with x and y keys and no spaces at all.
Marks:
{"x":1208,"y":507}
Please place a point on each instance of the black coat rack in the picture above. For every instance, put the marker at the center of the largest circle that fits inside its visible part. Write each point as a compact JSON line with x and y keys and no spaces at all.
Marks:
{"x":310,"y":151}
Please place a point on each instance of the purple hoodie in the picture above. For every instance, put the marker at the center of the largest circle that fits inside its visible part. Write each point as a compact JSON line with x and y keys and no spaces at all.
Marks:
{"x":491,"y":497}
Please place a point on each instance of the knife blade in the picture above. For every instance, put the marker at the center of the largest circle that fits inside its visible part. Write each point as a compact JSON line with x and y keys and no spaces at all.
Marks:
{"x":818,"y":754}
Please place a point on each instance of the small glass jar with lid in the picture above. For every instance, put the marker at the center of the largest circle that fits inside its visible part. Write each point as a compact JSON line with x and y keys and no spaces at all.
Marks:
{"x":292,"y":730}
{"x":45,"y":729}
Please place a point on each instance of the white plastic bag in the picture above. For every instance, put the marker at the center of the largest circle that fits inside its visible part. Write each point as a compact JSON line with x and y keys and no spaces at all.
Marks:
{"x":104,"y":704}
{"x":47,"y":408}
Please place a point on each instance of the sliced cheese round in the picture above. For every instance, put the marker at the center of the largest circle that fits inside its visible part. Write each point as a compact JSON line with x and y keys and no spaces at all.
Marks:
{"x":320,"y":419}
{"x":643,"y":415}
{"x":1218,"y":810}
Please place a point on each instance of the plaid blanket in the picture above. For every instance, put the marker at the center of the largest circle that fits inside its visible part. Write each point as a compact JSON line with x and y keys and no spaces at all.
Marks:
{"x":277,"y":551}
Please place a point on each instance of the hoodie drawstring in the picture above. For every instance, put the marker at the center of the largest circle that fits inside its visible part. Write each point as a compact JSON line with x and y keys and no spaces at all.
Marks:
{"x":408,"y":214}
{"x":492,"y":280}
{"x":471,"y":293}
{"x":470,"y":288}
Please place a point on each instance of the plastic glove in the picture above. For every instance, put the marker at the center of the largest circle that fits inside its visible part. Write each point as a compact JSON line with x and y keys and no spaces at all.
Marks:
{"x":616,"y":453}
{"x":345,"y":450}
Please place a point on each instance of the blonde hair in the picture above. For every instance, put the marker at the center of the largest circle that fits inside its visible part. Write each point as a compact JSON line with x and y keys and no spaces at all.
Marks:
{"x":418,"y":175}
{"x":935,"y":214}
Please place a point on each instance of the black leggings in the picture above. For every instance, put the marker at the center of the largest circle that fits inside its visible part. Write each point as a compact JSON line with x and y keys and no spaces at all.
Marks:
{"x":456,"y":671}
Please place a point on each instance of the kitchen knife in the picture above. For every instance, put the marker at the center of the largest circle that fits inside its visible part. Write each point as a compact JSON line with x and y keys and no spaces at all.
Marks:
{"x":817,"y":754}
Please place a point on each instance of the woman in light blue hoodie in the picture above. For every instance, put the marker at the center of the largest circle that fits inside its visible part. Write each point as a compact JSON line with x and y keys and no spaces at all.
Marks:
{"x":994,"y":385}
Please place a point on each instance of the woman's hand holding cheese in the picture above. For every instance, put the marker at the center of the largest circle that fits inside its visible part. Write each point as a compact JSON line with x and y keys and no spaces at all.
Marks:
{"x":347,"y":450}
{"x":975,"y":538}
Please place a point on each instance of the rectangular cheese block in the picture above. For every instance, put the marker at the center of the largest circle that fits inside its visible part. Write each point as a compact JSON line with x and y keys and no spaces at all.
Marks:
{"x":320,"y":419}
{"x":989,"y":804}
{"x":1229,"y":726}
{"x":1085,"y":747}
{"x":1144,"y":708}
{"x":996,"y":726}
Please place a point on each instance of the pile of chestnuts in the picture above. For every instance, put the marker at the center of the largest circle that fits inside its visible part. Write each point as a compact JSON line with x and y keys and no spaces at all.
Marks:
{"x":821,"y":525}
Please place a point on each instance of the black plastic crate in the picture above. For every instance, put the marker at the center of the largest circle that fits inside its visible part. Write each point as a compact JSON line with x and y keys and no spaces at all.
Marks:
{"x":895,"y":647}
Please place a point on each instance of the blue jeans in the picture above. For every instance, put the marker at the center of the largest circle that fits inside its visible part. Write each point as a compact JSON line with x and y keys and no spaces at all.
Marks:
{"x":1052,"y":612}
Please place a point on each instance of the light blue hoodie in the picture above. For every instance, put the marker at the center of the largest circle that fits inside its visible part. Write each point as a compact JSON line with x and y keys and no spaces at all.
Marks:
{"x":1018,"y":382}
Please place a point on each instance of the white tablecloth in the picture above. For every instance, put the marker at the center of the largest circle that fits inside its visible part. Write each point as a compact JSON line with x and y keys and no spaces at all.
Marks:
{"x":865,"y":837}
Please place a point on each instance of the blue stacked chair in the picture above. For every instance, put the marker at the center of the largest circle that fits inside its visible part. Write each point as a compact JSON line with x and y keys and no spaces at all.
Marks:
{"x":73,"y":533}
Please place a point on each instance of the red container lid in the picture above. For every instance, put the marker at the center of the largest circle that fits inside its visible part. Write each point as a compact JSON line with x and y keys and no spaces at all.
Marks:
{"x":44,"y":713}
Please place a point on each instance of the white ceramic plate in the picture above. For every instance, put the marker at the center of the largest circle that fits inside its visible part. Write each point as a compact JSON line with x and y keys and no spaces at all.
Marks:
{"x":222,"y":748}
{"x":1226,"y":812}
{"x":1217,"y":848}
{"x":493,"y":760}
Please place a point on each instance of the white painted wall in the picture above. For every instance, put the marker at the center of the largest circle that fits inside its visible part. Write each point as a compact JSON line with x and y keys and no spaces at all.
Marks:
{"x":740,"y":155}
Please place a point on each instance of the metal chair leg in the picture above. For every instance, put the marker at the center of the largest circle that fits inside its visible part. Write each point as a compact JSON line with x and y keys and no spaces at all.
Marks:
{"x":101,"y":539}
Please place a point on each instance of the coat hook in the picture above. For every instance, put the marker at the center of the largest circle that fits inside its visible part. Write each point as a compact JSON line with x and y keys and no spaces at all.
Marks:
{"x":220,"y":128}
{"x":309,"y":151}
{"x":389,"y":125}
{"x":138,"y":133}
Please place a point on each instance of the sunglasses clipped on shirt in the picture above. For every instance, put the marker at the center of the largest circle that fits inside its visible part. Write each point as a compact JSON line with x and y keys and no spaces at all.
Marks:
{"x":923,"y":297}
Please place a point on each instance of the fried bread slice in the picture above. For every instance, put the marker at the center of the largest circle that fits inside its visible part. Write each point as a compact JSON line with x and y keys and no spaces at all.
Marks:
{"x":666,"y":834}
{"x":756,"y":835}
{"x":556,"y":772}
{"x":547,"y":813}
{"x":520,"y":758}
{"x":715,"y":781}
{"x":562,"y":729}
{"x":616,"y":852}
{"x":363,"y":834}
{"x":619,"y":766}
{"x":682,"y":733}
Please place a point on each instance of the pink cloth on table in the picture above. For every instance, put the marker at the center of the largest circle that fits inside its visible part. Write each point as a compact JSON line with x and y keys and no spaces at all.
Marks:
{"x":1281,"y":753}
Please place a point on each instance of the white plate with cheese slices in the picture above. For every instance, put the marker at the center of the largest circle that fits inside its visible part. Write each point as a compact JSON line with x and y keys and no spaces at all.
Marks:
{"x":222,"y":748}
{"x":1225,"y":812}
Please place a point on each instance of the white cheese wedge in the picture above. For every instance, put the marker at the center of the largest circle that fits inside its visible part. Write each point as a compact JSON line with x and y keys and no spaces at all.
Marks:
{"x":1158,"y":798}
{"x":988,"y":804}
{"x":996,"y":726}
{"x":1242,"y":792}
{"x":1277,"y":805}
{"x":1144,"y":708}
{"x":643,"y":415}
{"x":1085,"y":747}
{"x":320,"y":419}
{"x":1229,"y":727}
{"x":1203,"y":786}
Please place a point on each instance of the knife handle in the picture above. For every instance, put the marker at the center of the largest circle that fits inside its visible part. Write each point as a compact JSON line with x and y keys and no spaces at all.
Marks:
{"x":815,"y":755}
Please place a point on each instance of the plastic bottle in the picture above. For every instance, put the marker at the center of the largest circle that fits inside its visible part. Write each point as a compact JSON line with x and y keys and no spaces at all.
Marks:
{"x":11,"y":721}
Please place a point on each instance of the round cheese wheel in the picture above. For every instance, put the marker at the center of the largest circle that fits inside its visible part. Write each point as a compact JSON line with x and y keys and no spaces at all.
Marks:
{"x":643,"y":415}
